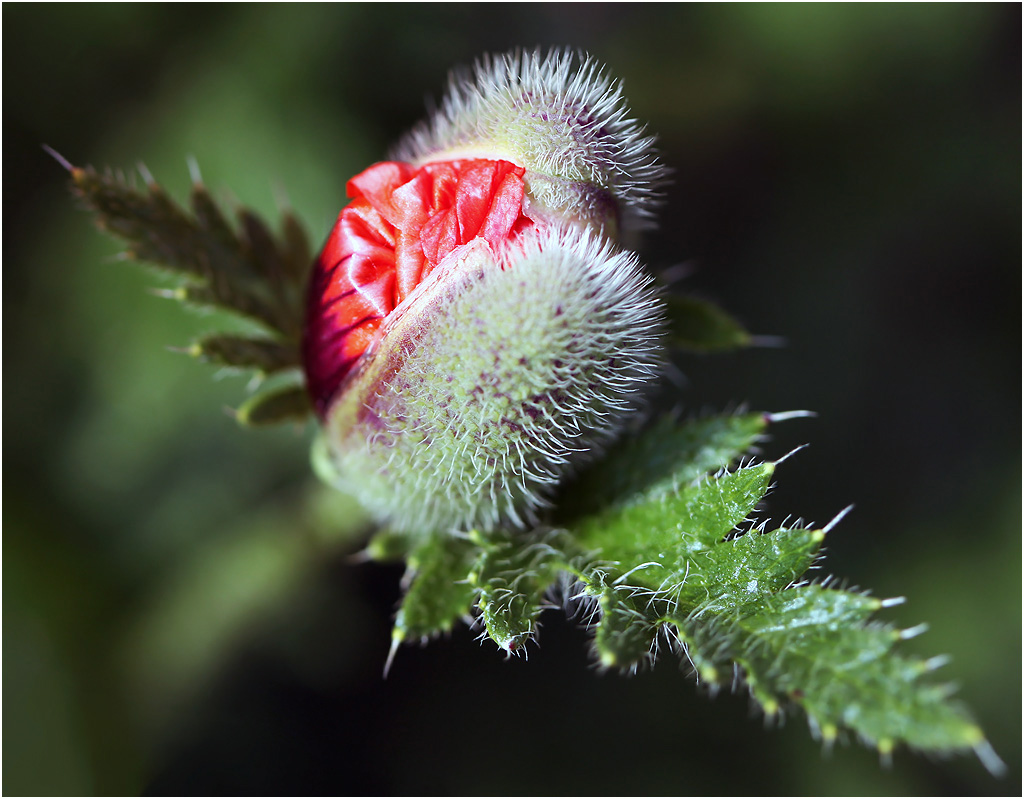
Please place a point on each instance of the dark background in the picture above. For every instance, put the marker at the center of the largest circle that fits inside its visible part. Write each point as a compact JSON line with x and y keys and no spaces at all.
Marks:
{"x":181,"y":614}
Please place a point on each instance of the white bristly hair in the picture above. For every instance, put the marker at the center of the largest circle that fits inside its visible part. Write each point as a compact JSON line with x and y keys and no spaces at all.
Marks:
{"x":563,"y":119}
{"x":497,"y":381}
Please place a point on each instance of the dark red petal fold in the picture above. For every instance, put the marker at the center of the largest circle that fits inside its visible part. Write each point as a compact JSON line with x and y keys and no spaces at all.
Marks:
{"x":401,"y":223}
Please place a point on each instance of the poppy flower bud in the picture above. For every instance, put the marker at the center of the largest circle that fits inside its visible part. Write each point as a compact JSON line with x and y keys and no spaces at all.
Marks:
{"x":472,"y":331}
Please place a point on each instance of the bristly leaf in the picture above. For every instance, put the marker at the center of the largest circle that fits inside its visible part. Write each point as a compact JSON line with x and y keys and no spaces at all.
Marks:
{"x":630,"y":621}
{"x":664,"y":557}
{"x":266,"y":355}
{"x":247,"y":271}
{"x":812,"y":647}
{"x":438,"y":593}
{"x":665,"y":455}
{"x":511,"y":578}
{"x":746,"y":568}
{"x":663,"y":535}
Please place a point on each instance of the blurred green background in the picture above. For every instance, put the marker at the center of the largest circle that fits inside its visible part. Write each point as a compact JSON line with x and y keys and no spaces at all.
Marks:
{"x":181,"y":612}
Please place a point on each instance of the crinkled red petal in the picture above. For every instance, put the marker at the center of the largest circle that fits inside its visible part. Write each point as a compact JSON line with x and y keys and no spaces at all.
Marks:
{"x":401,"y":223}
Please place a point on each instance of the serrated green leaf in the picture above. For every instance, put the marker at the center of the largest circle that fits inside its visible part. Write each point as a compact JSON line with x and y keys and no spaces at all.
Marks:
{"x":811,"y":646}
{"x":297,"y":256}
{"x":668,"y":454}
{"x":701,"y":326}
{"x":210,"y":219}
{"x":628,"y":629}
{"x":248,"y":272}
{"x":849,"y":678}
{"x":265,"y":355}
{"x":439,"y":593}
{"x":811,"y":606}
{"x":511,"y":577}
{"x":261,"y":248}
{"x":661,"y":538}
{"x":748,"y":568}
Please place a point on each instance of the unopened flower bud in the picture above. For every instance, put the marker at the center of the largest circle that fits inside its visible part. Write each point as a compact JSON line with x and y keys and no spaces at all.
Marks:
{"x":472,"y":331}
